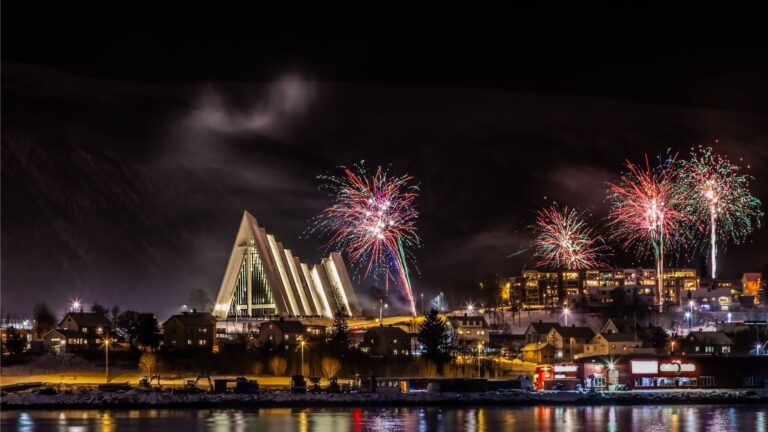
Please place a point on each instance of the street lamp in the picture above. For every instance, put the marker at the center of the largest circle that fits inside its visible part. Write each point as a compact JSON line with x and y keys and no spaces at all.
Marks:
{"x":479,"y":351}
{"x":470,"y":308}
{"x":75,"y":305}
{"x":382,"y":305}
{"x":106,"y":357}
{"x":688,"y":317}
{"x":302,"y":357}
{"x":672,"y":346}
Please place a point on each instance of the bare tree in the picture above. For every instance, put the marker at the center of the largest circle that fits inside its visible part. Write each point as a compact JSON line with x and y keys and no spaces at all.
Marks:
{"x":330,"y":367}
{"x":278,"y":366}
{"x":148,"y":363}
{"x":256,"y":368}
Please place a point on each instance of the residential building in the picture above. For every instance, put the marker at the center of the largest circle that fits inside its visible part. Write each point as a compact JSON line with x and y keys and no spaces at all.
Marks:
{"x":387,"y":341}
{"x":60,"y":341}
{"x":612,"y":344}
{"x":538,"y":289}
{"x":283,"y":332}
{"x":707,"y":343}
{"x":569,"y":341}
{"x":751,"y":283}
{"x":189,"y":331}
{"x":470,"y":329}
{"x":77,"y":332}
{"x":538,"y":352}
{"x":91,"y":324}
{"x":538,"y":332}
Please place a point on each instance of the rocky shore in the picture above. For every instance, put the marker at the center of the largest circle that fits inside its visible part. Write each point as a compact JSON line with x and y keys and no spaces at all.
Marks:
{"x":88,"y":398}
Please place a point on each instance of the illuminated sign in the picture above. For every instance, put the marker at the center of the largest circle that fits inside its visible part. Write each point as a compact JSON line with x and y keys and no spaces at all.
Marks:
{"x":565,"y":368}
{"x":677,"y":367}
{"x":645,"y":366}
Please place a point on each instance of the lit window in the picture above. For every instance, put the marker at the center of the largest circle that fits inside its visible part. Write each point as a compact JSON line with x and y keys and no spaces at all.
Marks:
{"x":394,"y":352}
{"x":189,"y":341}
{"x":394,"y":341}
{"x":285,"y":337}
{"x":203,"y":341}
{"x":709,"y":349}
{"x":99,"y":330}
{"x":726,"y":349}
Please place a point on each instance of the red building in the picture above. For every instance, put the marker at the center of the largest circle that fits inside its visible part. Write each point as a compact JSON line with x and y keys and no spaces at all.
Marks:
{"x":675,"y":371}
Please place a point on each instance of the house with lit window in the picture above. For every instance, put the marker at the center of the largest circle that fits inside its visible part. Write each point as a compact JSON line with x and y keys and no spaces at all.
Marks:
{"x":283,"y":332}
{"x":387,"y":342}
{"x":470,"y":330}
{"x":707,"y":343}
{"x":78,"y":331}
{"x":189,"y":331}
{"x":538,"y":331}
{"x":569,"y":341}
{"x":538,"y":352}
{"x":750,"y":284}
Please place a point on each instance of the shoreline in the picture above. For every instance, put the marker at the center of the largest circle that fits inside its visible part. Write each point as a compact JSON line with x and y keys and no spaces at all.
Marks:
{"x":93,"y":399}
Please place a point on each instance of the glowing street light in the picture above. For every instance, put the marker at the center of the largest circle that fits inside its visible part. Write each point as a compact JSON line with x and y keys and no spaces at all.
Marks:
{"x":470,"y":308}
{"x":566,"y":311}
{"x":729,"y":317}
{"x":688,"y":317}
{"x":106,"y":356}
{"x":479,"y":352}
{"x":302,"y":356}
{"x":382,"y":306}
{"x":75,"y":305}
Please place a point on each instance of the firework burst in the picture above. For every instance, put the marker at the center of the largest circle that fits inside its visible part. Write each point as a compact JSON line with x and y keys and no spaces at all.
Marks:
{"x":720,"y":197}
{"x":648,"y":213}
{"x":373,"y":219}
{"x":564,"y":240}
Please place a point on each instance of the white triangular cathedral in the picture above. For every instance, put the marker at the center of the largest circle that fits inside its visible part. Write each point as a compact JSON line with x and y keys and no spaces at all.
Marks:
{"x":263,"y":279}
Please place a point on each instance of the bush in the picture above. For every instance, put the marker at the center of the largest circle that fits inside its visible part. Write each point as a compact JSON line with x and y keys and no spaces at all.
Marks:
{"x":278,"y":366}
{"x":256,"y":368}
{"x":330,"y":367}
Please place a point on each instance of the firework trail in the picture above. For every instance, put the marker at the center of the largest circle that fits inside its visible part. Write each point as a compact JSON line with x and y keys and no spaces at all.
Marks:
{"x":647,"y":213}
{"x":719,"y":195}
{"x":373,"y":219}
{"x":564,"y":240}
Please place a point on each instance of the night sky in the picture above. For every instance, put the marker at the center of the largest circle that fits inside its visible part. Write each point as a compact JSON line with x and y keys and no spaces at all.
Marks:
{"x":132,"y":141}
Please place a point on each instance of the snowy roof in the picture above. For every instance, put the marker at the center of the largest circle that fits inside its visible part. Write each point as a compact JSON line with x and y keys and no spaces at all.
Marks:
{"x":714,"y":338}
{"x":575,"y":332}
{"x":288,"y":326}
{"x":193,"y":318}
{"x":544,"y":327}
{"x":87,"y":319}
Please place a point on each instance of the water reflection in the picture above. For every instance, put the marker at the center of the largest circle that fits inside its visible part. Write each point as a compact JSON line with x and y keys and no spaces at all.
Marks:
{"x":444,"y":419}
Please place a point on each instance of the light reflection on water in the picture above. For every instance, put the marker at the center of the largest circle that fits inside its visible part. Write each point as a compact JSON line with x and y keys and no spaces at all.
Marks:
{"x":446,"y":419}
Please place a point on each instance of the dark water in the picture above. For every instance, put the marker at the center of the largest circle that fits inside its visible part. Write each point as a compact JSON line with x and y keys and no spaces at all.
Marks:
{"x":493,"y":419}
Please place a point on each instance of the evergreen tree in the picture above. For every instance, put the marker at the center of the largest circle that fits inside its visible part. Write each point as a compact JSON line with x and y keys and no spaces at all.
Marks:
{"x":99,"y":309}
{"x":433,"y":335}
{"x":44,"y":319}
{"x":340,"y":337}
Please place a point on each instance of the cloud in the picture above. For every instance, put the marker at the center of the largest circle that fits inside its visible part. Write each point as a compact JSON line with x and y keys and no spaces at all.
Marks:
{"x":284,"y":100}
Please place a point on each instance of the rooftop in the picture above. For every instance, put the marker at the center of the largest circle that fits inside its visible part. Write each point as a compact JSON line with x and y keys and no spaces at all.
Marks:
{"x":87,"y":319}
